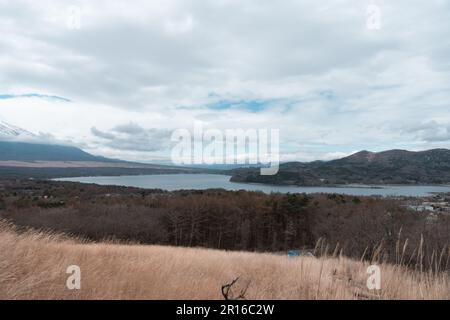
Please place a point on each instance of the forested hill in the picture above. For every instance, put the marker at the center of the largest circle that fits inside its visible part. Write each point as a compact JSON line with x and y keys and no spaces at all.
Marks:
{"x":387,"y":167}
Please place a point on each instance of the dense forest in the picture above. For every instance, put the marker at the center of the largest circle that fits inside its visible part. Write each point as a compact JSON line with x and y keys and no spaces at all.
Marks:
{"x":360,"y":227}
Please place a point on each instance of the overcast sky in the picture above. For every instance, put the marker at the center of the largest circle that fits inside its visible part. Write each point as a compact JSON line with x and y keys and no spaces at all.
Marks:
{"x":116,"y":77}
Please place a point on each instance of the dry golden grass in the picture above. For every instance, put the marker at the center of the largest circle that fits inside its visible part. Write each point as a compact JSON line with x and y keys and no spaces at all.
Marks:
{"x":33,"y":266}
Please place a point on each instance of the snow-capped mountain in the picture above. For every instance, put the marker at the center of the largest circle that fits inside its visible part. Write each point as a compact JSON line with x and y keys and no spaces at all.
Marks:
{"x":21,"y":145}
{"x":8,"y":131}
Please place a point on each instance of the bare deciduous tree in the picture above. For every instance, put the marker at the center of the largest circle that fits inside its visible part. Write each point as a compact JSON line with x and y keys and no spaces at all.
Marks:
{"x":227,"y":291}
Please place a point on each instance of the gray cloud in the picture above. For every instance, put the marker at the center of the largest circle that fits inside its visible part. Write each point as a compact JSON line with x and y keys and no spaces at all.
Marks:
{"x":431,"y":131}
{"x":120,"y":55}
{"x":101,"y":134}
{"x":130,"y":128}
{"x":133,"y":137}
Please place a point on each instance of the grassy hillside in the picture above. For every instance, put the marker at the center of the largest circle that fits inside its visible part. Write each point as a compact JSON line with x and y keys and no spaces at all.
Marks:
{"x":33,"y":266}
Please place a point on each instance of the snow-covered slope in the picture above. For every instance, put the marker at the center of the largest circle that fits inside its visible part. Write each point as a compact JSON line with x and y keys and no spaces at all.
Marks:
{"x":8,"y":131}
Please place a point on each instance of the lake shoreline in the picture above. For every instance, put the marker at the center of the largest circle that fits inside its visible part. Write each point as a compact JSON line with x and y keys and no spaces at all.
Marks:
{"x":175,"y":182}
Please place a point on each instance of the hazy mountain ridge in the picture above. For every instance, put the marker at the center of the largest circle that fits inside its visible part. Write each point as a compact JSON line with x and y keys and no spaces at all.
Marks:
{"x":23,"y":151}
{"x":364,"y":167}
{"x":32,"y":160}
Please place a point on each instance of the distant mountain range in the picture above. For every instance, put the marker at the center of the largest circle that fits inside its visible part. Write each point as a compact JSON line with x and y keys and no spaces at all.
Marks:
{"x":22,"y":157}
{"x":377,"y":168}
{"x":20,"y":160}
{"x":15,"y":146}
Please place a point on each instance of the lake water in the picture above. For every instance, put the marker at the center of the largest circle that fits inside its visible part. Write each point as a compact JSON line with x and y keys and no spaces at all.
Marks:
{"x":208,"y":181}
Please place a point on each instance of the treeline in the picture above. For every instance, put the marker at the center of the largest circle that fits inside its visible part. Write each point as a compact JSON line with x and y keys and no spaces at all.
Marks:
{"x":56,"y":172}
{"x":251,"y":221}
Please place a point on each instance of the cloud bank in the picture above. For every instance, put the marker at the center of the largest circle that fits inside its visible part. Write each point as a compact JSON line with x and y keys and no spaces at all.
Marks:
{"x":116,"y":78}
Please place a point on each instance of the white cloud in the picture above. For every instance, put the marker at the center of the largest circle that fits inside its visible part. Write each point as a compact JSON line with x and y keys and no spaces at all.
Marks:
{"x":331,"y":85}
